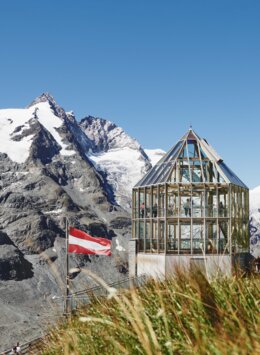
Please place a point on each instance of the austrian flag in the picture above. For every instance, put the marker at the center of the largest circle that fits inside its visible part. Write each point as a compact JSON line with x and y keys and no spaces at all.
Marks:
{"x":82,"y":243}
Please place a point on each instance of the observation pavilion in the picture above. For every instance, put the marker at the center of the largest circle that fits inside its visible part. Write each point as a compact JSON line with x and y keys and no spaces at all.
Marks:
{"x":190,"y":208}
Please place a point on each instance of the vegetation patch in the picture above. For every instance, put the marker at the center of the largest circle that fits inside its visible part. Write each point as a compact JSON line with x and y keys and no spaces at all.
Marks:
{"x":183,"y":315}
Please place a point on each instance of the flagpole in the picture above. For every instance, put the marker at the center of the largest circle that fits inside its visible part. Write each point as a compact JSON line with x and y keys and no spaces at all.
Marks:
{"x":67,"y":270}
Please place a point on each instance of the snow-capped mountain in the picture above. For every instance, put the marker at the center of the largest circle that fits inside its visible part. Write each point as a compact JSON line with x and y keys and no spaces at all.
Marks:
{"x":118,"y":155}
{"x":46,"y":177}
{"x":44,"y":165}
{"x":45,"y":123}
{"x":255,"y":199}
{"x":255,"y":221}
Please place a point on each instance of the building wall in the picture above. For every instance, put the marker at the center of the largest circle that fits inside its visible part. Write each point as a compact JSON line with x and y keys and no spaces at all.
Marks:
{"x":161,"y":266}
{"x":210,"y":264}
{"x":152,"y":265}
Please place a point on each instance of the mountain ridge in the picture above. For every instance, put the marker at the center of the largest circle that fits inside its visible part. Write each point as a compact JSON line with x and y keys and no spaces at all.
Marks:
{"x":121,"y":158}
{"x":47,"y":177}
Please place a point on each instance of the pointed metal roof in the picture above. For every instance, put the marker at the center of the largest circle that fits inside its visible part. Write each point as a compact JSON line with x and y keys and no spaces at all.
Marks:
{"x":192,"y":158}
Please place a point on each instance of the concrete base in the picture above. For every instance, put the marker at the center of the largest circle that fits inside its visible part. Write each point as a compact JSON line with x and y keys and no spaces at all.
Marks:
{"x":132,"y":250}
{"x":161,"y":266}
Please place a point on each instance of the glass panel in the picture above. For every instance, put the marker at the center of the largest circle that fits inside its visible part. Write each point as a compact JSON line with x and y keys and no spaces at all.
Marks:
{"x":240,"y":238}
{"x":147,"y":237}
{"x":148,"y":203}
{"x":240,"y":203}
{"x":215,"y":174}
{"x":220,"y":179}
{"x":184,"y":172}
{"x":148,"y":179}
{"x":172,"y":154}
{"x":174,"y":176}
{"x":172,"y":244}
{"x":193,"y":149}
{"x":161,"y":201}
{"x":223,"y":246}
{"x":233,"y":198}
{"x":235,"y":202}
{"x":233,"y":235}
{"x":140,"y":231}
{"x":185,"y":199}
{"x":156,"y":175}
{"x":136,"y":204}
{"x":223,"y":202}
{"x":154,"y":246}
{"x":163,"y":175}
{"x":185,"y":242}
{"x":246,"y":211}
{"x":202,"y":154}
{"x":141,"y":210}
{"x":198,"y":238}
{"x":211,"y":237}
{"x":148,"y":245}
{"x":161,"y":238}
{"x":196,"y":171}
{"x":211,"y":202}
{"x":173,"y":202}
{"x":155,"y":203}
{"x":243,"y":199}
{"x":183,"y":153}
{"x":198,"y":203}
{"x":209,"y":171}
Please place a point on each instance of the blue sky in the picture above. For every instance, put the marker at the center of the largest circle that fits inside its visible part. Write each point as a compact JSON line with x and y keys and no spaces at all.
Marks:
{"x":152,"y":67}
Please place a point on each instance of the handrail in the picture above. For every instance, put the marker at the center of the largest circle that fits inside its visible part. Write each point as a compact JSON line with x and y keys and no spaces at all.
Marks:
{"x":31,"y":347}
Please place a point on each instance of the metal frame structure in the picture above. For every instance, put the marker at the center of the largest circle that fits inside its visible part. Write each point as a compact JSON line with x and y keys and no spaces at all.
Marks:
{"x":191,"y":203}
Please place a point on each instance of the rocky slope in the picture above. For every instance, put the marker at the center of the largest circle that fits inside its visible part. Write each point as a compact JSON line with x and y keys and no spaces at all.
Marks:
{"x":117,"y":155}
{"x":46,"y":177}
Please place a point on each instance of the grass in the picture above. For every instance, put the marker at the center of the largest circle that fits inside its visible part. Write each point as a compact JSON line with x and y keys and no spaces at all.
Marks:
{"x":183,"y":315}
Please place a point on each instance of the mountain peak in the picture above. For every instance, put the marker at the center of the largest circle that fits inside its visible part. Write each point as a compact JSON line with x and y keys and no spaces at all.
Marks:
{"x":46,"y":97}
{"x":90,"y":120}
{"x":107,"y":135}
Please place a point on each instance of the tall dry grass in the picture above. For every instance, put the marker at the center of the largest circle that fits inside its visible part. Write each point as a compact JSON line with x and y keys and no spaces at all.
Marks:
{"x":186,"y":314}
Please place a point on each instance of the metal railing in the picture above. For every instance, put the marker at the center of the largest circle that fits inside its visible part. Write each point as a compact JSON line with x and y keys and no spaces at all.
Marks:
{"x":31,"y":347}
{"x":83,"y":297}
{"x":77,"y":299}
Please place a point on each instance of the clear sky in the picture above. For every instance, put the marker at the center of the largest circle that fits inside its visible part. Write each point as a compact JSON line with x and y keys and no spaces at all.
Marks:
{"x":152,"y":67}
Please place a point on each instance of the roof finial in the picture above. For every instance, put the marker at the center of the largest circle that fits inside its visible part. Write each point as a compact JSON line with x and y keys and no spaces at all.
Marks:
{"x":190,"y":127}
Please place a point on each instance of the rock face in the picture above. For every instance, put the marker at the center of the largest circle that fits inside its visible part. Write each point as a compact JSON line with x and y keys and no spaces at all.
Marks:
{"x":51,"y":179}
{"x":13,"y":265}
{"x":120,"y":158}
{"x":46,"y":176}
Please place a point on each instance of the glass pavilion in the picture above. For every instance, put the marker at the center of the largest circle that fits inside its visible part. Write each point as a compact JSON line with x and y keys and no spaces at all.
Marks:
{"x":191,"y":203}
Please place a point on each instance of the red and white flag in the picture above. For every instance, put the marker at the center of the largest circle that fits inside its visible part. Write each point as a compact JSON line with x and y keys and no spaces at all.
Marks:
{"x":82,"y":243}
